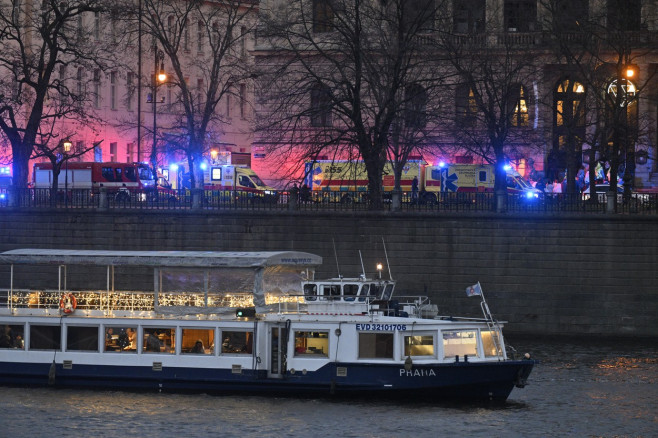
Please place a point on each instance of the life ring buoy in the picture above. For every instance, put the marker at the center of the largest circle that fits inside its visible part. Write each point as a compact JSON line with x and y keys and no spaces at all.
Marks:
{"x":68,"y":303}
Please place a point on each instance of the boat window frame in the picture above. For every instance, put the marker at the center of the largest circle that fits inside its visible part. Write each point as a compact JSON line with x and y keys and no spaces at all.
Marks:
{"x":4,"y":324}
{"x":477,"y":338}
{"x":311,"y":295}
{"x":81,"y":325}
{"x":351,"y":296}
{"x":221,"y":336}
{"x":424,"y":333}
{"x":144,"y":345}
{"x":31,"y":338}
{"x":213,"y":348}
{"x":113,"y":326}
{"x":311,"y":355}
{"x":390,"y":334}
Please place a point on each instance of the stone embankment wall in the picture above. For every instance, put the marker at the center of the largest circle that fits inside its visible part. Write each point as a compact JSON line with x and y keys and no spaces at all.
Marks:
{"x":544,"y":274}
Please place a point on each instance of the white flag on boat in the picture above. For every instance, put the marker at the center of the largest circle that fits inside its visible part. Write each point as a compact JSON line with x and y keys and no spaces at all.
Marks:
{"x":471,"y":291}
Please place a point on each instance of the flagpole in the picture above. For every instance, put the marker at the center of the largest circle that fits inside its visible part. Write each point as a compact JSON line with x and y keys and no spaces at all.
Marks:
{"x":493,"y":324}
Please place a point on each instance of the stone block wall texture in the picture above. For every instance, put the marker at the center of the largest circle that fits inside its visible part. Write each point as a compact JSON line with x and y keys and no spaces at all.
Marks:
{"x":545,"y":275}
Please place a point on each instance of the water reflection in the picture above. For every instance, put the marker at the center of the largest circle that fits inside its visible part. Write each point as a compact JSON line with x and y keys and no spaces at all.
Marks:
{"x":580,"y":388}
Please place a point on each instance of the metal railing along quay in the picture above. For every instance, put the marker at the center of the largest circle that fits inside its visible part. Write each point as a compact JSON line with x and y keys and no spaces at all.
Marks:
{"x":638,"y":203}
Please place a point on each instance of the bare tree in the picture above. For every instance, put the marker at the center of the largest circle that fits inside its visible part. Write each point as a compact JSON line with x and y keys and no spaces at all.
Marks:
{"x":348,"y":79}
{"x":201,"y":75}
{"x":602,"y":49}
{"x":494,"y":76}
{"x":41,"y":45}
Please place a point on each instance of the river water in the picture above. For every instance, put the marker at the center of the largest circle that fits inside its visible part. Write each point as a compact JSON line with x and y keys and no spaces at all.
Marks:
{"x":580,"y":388}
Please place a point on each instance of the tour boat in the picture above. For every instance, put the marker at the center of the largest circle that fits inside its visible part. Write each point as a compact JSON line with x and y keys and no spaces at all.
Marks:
{"x":237,"y":322}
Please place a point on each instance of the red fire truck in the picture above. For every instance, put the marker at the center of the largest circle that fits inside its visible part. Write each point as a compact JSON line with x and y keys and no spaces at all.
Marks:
{"x":123,"y":180}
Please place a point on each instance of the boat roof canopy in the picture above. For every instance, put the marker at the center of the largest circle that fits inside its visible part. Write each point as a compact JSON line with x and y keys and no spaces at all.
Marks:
{"x":193,"y":259}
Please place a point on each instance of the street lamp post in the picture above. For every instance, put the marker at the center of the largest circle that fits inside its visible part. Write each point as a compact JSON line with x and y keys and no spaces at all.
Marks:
{"x":159,"y":77}
{"x":66,"y":146}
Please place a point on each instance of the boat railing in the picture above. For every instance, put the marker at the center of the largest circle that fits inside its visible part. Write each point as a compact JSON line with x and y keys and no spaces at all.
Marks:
{"x":119,"y":300}
{"x":412,"y":305}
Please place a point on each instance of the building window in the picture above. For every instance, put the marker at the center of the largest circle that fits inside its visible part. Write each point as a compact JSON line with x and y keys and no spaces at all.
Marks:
{"x":80,"y":31}
{"x":113,"y":90}
{"x":228,"y":102}
{"x":186,"y":36}
{"x":468,"y":16}
{"x":79,"y":148}
{"x":323,"y":16}
{"x":570,"y":15}
{"x":97,"y":26}
{"x":113,"y":151}
{"x":130,"y":153}
{"x":243,"y":100}
{"x":79,"y":83}
{"x":130,"y":90}
{"x":215,"y":35}
{"x":16,"y":13}
{"x":243,"y":41}
{"x":625,"y":15}
{"x":170,"y":27}
{"x":518,"y":106}
{"x":570,"y":104}
{"x":97,"y":89}
{"x":520,"y":15}
{"x":465,"y":104}
{"x":199,"y":94}
{"x":200,"y":27}
{"x":415,"y":98}
{"x":114,"y":32}
{"x":418,"y":15}
{"x":321,"y":106}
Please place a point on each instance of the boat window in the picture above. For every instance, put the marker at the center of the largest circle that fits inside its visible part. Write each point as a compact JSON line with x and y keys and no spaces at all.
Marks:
{"x":311,"y":344}
{"x":364,"y":292}
{"x":237,"y":342}
{"x":419,"y":345}
{"x":81,"y":338}
{"x":374,"y":290}
{"x":488,"y":343}
{"x":159,"y":340}
{"x":198,"y":341}
{"x":350,"y":291}
{"x":310,"y":292}
{"x":459,"y":343}
{"x":45,"y":337}
{"x":332,"y":291}
{"x":12,"y":336}
{"x":121,"y":338}
{"x":388,"y":291}
{"x":375,"y":345}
